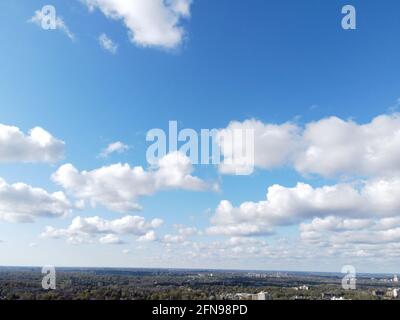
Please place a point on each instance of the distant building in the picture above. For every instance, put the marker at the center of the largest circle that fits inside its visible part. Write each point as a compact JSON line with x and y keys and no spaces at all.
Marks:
{"x":263,"y":296}
{"x":331,"y":296}
{"x":303,"y":287}
{"x":395,"y":279}
{"x":258,"y":296}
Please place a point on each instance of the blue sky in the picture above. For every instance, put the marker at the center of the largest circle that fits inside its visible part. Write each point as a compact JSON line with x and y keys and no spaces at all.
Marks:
{"x":275,"y":62}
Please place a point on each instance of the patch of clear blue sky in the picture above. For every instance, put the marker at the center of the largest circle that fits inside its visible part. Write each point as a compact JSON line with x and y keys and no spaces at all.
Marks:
{"x":271,"y":60}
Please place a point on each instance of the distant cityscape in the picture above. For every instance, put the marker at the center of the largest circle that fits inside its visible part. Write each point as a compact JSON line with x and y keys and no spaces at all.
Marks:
{"x":18,"y":283}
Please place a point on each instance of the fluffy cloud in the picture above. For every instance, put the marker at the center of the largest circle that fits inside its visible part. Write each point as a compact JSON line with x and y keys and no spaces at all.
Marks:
{"x":333,"y":223}
{"x":60,"y":23}
{"x":107,"y":44}
{"x":274,"y":145}
{"x":334,"y":146}
{"x":286,"y":206}
{"x":237,"y":228}
{"x":349,"y":220}
{"x":282,"y":253}
{"x":168,"y":238}
{"x":110,"y":239}
{"x":22,"y":203}
{"x":339,"y":231}
{"x":329,"y":147}
{"x":220,"y":251}
{"x":115,"y":147}
{"x":181,"y":236}
{"x":118,"y":187}
{"x":151,"y":23}
{"x":84,"y":230}
{"x":149,"y":236}
{"x":37,"y":146}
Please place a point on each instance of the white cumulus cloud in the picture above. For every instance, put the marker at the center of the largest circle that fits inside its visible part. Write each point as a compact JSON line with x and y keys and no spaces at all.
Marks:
{"x":110,"y":239}
{"x":274,"y":145}
{"x":60,"y":23}
{"x":84,"y":230}
{"x":328,"y":147}
{"x":38,"y":146}
{"x":118,"y":187}
{"x":149,"y":236}
{"x":334,"y":146}
{"x":115,"y":147}
{"x":287,"y":206}
{"x":151,"y":23}
{"x":20,"y":202}
{"x":108,"y":44}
